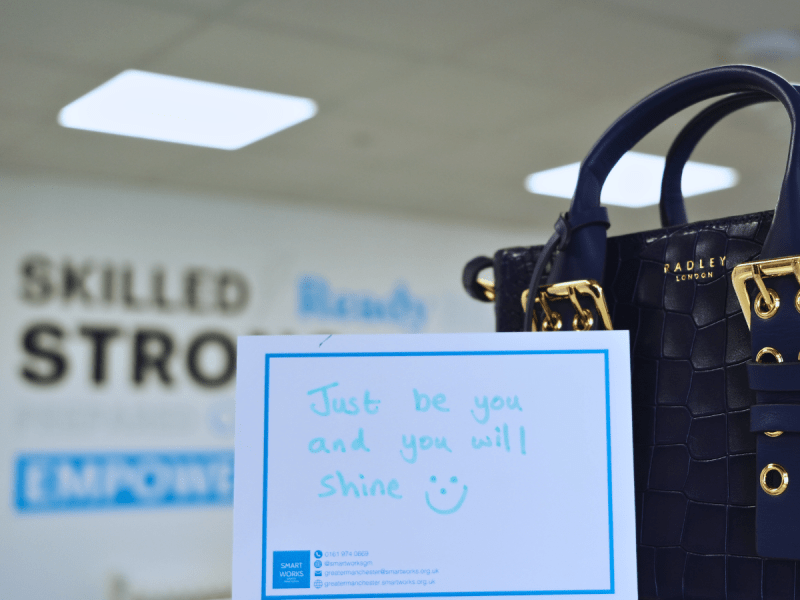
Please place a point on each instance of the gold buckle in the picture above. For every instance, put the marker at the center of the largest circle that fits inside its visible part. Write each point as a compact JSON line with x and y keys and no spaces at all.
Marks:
{"x":572,"y":291}
{"x":758,"y":271}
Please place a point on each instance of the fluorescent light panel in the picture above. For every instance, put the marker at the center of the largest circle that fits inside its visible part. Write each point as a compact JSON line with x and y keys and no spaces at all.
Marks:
{"x":184,"y":111}
{"x":635,"y":181}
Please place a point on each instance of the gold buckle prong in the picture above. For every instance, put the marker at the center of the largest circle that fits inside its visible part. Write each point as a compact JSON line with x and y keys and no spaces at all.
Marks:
{"x":760,"y":282}
{"x":552,"y":319}
{"x":758,"y":270}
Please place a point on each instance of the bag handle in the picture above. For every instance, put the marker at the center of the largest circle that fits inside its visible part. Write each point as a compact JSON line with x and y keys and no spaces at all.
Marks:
{"x":580,"y":235}
{"x":583,"y":248}
{"x":673,"y":204}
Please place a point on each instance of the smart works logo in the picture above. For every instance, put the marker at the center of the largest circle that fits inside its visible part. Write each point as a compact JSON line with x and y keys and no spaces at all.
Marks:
{"x":291,"y":569}
{"x":111,"y":480}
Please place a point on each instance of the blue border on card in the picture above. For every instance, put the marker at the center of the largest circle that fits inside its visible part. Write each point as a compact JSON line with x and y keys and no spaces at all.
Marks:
{"x":268,"y":357}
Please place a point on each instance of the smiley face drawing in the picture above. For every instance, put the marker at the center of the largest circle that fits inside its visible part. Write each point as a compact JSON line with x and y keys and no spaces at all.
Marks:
{"x":442,"y":495}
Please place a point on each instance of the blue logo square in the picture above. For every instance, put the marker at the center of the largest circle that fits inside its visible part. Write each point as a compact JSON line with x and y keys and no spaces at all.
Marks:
{"x":291,"y":569}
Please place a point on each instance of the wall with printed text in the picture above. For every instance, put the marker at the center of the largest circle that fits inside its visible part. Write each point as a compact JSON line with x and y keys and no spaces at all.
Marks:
{"x":121,"y":312}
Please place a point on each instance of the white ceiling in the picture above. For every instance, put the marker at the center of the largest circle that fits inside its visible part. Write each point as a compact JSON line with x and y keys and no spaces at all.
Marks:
{"x":436,"y":108}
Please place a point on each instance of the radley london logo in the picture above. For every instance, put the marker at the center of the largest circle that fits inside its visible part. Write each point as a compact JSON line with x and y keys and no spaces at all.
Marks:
{"x":695,"y":269}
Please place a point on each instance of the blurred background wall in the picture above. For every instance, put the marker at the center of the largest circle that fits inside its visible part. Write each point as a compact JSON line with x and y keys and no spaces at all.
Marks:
{"x":129,"y":266}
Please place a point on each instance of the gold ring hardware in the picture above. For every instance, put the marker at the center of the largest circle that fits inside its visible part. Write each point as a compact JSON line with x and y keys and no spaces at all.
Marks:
{"x":770,"y":307}
{"x":773,"y":433}
{"x":757,"y":271}
{"x":573,"y":291}
{"x":582,"y":324}
{"x":552,"y":320}
{"x":771,"y":352}
{"x":776,"y":491}
{"x":554,"y":323}
{"x":488,"y":288}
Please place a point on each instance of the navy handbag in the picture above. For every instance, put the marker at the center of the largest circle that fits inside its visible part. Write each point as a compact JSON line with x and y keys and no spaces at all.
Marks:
{"x":713,"y":310}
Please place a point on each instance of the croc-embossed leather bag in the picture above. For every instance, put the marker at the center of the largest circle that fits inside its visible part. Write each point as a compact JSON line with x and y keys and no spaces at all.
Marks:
{"x":713,"y":310}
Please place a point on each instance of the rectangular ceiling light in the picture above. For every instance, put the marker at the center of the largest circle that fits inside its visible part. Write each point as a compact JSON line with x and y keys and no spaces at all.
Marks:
{"x":635,"y":181}
{"x":184,"y":111}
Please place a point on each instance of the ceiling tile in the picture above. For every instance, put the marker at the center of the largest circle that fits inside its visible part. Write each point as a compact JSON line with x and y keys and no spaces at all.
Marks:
{"x":363,"y":141}
{"x":454,"y":101}
{"x":542,"y":138}
{"x":190,"y":6}
{"x":339,"y":181}
{"x":593,"y":52}
{"x":423,"y":29}
{"x":95,"y":154}
{"x":731,"y":16}
{"x":13,"y":131}
{"x":39,"y":87}
{"x":87,"y":31}
{"x":287,"y":64}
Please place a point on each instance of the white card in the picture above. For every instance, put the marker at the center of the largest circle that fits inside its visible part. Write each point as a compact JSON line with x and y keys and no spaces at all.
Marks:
{"x":434,"y":465}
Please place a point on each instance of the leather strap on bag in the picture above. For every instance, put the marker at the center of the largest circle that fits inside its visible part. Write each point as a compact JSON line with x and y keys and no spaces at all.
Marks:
{"x":673,"y":206}
{"x":470,"y":278}
{"x":768,"y":288}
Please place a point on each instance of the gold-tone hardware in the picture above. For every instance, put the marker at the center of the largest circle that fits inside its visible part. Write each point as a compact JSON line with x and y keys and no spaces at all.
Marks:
{"x":758,"y":270}
{"x":553,"y":325}
{"x":584,"y":287}
{"x":582,"y":321}
{"x":770,"y":307}
{"x":771,"y":351}
{"x":759,"y":279}
{"x":582,"y":324}
{"x":773,"y":433}
{"x":776,"y":491}
{"x":552,"y":319}
{"x":572,"y":291}
{"x":488,"y":288}
{"x":797,"y":302}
